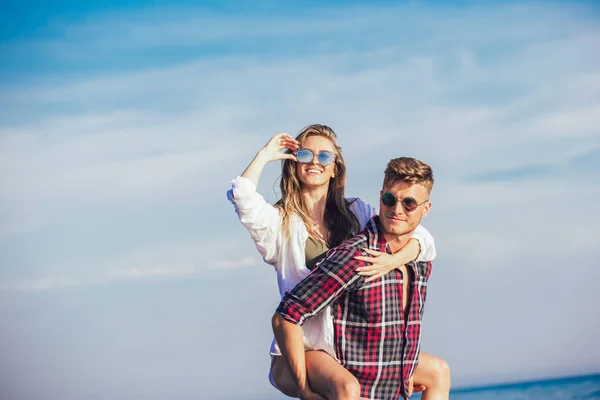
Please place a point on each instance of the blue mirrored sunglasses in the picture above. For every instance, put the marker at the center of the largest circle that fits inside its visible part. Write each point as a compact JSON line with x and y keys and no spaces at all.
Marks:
{"x":324,"y":157}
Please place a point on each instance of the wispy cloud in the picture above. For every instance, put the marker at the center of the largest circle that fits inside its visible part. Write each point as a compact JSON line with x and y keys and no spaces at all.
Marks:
{"x":133,"y":273}
{"x":114,"y":162}
{"x":159,"y":133}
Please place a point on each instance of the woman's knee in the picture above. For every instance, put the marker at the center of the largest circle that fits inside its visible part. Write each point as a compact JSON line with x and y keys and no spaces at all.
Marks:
{"x":441,"y":372}
{"x":348,"y":388}
{"x":282,"y":379}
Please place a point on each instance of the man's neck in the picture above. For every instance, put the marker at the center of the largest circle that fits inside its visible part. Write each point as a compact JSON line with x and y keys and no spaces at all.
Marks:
{"x":396,"y":242}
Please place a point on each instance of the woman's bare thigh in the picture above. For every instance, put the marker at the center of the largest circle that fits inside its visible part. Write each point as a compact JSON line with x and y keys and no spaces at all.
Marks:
{"x":325,"y":375}
{"x":328,"y":377}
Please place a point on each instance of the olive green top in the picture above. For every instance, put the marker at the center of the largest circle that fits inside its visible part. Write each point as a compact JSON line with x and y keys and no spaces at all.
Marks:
{"x":314,"y":251}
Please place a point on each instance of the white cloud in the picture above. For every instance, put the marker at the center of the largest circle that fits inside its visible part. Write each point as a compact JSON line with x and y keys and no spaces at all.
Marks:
{"x":170,"y":134}
{"x":246,"y":261}
{"x":120,"y":175}
{"x":156,"y":271}
{"x":145,"y":271}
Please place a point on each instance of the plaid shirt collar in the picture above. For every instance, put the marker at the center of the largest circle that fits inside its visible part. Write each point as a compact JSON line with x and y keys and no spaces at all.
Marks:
{"x":376,"y":240}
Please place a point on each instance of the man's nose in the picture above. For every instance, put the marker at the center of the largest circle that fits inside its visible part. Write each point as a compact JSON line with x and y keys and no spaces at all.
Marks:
{"x":398,"y":209}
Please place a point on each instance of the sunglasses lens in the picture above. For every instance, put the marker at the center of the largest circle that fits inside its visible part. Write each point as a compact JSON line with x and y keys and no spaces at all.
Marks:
{"x":388,"y":199}
{"x":326,"y":158}
{"x":409,"y":204}
{"x":304,"y":156}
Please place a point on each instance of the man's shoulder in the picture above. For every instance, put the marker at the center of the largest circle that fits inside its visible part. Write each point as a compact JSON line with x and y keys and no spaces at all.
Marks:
{"x":344,"y":253}
{"x":423,"y":269}
{"x":356,"y":242}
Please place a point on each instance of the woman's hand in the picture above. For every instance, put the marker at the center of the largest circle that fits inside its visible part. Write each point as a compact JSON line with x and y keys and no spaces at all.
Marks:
{"x":272,"y":151}
{"x":381,"y":264}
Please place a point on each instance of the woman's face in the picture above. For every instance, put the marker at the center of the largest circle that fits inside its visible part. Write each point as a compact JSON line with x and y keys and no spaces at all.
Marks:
{"x":314,"y":174}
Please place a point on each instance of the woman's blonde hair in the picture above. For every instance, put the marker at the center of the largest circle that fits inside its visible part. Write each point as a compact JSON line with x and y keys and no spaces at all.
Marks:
{"x":341,"y":222}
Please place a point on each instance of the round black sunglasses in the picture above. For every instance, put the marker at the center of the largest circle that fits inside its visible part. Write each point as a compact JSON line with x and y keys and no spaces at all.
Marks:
{"x":409,"y":204}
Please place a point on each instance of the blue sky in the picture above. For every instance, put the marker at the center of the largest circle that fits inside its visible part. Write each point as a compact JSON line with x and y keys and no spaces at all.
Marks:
{"x":124,"y":272}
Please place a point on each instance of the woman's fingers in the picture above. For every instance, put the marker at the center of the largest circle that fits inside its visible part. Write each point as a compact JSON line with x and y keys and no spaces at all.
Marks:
{"x":289,"y":157}
{"x":363,"y":258}
{"x":367,"y":270}
{"x":286,"y":137}
{"x":373,"y":252}
{"x":280,"y":147}
{"x":287,"y":142}
{"x":372,"y":278}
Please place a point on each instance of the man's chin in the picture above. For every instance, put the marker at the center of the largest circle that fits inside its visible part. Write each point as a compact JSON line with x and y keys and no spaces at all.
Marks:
{"x":396,"y":230}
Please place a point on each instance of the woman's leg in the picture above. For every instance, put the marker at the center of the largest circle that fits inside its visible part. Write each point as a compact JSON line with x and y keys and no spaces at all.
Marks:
{"x":282,"y":378}
{"x":434,"y":373}
{"x":329,"y":378}
{"x":325,"y":375}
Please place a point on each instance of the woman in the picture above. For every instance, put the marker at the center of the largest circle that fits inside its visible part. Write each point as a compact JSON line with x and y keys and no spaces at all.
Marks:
{"x":313,"y":216}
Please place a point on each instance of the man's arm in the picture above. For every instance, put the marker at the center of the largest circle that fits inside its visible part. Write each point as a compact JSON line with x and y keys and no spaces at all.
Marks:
{"x":291,"y":344}
{"x":332,"y":278}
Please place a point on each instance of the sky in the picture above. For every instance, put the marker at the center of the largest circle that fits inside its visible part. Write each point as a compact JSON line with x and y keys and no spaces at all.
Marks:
{"x":124,"y":270}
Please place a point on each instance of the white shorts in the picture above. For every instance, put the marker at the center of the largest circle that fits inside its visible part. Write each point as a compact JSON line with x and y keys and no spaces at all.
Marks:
{"x":271,"y":379}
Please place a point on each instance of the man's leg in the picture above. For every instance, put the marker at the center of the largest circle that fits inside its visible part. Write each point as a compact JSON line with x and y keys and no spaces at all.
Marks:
{"x":325,"y":375}
{"x":434,"y":373}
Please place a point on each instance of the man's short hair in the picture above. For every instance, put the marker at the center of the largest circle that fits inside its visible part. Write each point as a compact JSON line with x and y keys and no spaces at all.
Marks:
{"x":408,"y":170}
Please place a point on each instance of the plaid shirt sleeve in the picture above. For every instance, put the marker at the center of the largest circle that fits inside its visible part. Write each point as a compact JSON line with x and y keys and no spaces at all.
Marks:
{"x":334,"y":275}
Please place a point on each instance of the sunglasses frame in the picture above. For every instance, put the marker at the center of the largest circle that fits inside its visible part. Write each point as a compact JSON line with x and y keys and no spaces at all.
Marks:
{"x":324,"y":152}
{"x":412,"y":206}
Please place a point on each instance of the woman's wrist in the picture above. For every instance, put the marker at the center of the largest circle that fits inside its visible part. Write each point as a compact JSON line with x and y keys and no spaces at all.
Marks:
{"x":415,"y":242}
{"x":262,"y":156}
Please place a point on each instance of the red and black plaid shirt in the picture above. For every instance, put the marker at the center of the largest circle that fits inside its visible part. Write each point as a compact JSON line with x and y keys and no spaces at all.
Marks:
{"x":372,"y":339}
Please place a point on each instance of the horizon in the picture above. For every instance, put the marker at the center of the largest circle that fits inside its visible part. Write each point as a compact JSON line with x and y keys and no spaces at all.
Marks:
{"x":516,"y":383}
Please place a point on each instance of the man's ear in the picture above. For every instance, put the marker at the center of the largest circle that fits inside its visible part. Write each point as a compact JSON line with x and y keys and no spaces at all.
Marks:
{"x":426,"y":208}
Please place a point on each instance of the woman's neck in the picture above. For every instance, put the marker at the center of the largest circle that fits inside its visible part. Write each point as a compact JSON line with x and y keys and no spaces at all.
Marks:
{"x":315,"y":200}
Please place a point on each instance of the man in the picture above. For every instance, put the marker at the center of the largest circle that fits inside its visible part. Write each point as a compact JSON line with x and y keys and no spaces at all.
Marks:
{"x":378,"y":323}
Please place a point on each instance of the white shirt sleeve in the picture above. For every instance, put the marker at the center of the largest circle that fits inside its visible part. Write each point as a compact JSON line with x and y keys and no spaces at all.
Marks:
{"x":363,"y":211}
{"x":260,"y":218}
{"x":426,"y":243}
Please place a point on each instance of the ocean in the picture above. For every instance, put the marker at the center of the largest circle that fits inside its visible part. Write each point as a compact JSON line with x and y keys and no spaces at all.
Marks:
{"x":574,"y":388}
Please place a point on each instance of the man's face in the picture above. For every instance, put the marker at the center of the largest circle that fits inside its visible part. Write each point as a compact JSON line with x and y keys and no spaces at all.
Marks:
{"x":398,"y":221}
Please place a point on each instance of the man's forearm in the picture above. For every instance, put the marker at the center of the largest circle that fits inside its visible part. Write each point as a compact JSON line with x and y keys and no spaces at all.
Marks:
{"x":291,"y":344}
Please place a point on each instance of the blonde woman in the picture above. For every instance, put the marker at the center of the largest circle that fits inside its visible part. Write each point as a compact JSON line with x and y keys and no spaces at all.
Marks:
{"x":313,"y":216}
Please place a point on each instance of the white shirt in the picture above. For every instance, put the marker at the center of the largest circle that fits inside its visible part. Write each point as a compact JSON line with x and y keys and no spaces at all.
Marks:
{"x":287,"y":253}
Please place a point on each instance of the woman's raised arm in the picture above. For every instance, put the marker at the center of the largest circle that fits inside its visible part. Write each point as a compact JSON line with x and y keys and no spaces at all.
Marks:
{"x":272,"y":151}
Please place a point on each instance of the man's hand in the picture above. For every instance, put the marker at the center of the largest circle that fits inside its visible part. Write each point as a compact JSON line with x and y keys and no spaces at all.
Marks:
{"x":412,"y":388}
